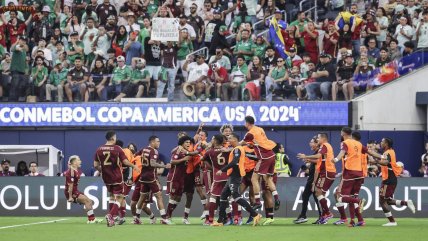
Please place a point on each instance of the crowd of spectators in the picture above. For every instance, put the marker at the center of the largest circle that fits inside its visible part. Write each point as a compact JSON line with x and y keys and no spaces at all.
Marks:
{"x":99,"y":50}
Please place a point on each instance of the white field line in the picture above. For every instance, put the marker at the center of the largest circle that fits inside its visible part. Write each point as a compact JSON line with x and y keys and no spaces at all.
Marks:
{"x":29,"y":224}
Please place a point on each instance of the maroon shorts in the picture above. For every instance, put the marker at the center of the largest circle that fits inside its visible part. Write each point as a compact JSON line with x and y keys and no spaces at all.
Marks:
{"x":116,"y":189}
{"x":387,"y":191}
{"x":136,"y":194}
{"x":208,"y":180}
{"x":265,"y":186}
{"x":265,"y":166}
{"x":350,"y":187}
{"x":74,"y":194}
{"x":324,"y":183}
{"x":153,"y":187}
{"x":126,"y":189}
{"x":246,"y":180}
{"x":217,"y":188}
{"x":189,"y":183}
{"x":175,"y":187}
{"x":199,"y":177}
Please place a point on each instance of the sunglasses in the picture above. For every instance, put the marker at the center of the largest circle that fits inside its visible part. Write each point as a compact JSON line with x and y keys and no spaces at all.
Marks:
{"x":279,"y":61}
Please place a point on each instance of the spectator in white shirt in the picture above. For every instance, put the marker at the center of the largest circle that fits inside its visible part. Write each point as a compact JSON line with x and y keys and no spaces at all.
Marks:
{"x":198,"y":72}
{"x":403,"y":32}
{"x":404,"y":172}
{"x":184,"y":25}
{"x":422,"y":32}
{"x":424,"y":162}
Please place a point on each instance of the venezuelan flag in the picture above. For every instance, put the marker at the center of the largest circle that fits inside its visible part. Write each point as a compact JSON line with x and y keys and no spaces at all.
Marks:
{"x":276,"y":37}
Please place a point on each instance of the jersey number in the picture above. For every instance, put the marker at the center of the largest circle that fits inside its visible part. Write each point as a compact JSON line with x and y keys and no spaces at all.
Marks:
{"x":107,"y":161}
{"x":221,"y":160}
{"x":144,"y":161}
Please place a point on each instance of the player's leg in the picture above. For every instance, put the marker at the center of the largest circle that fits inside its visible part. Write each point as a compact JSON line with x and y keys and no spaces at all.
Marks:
{"x":307,"y":192}
{"x":271,"y":184}
{"x":255,"y":181}
{"x":224,"y":202}
{"x":161,"y":206}
{"x":82,"y":199}
{"x":384,"y":196}
{"x":340,"y":205}
{"x":121,"y":203}
{"x":199,"y":183}
{"x":268,"y":198}
{"x":189,"y":190}
{"x":360,"y":206}
{"x":187,"y":206}
{"x":234,"y":189}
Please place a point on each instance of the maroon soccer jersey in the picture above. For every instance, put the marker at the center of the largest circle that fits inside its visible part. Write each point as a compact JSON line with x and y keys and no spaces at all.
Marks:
{"x":110,"y":158}
{"x":72,"y":176}
{"x":148,"y":173}
{"x":218,"y":160}
{"x":177,"y":171}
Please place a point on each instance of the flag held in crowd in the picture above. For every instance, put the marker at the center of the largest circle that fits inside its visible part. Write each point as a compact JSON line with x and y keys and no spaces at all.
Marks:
{"x":276,"y":36}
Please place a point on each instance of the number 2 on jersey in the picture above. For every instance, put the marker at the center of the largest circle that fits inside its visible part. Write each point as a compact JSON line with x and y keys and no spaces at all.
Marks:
{"x":107,"y":161}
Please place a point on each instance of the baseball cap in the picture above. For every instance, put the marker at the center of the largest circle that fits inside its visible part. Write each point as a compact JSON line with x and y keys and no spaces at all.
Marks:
{"x":111,"y":17}
{"x":120,"y":58}
{"x":46,"y":9}
{"x":183,"y":16}
{"x":57,"y":62}
{"x":217,"y":11}
{"x":399,"y":8}
{"x":324,"y":55}
{"x":278,"y":11}
{"x":292,"y":50}
{"x":4,"y":161}
{"x":74,"y":33}
{"x":223,"y":28}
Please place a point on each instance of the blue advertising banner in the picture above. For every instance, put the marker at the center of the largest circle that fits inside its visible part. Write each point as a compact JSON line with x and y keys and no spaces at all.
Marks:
{"x":173,"y":114}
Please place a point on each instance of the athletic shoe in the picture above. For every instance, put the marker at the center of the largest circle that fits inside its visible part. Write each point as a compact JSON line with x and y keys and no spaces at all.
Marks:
{"x":93,"y":221}
{"x":216,"y":224}
{"x":328,"y":217}
{"x":411,"y":206}
{"x":186,"y":221}
{"x":153,"y":220}
{"x":166,"y":221}
{"x":277,"y":204}
{"x":203,"y":216}
{"x":257,"y":219}
{"x":361,"y":205}
{"x":217,"y":100}
{"x":341,"y":221}
{"x":229,"y":221}
{"x":360,"y":224}
{"x":256,"y":206}
{"x":390,"y":224}
{"x":322,"y":220}
{"x":237,"y":221}
{"x":268,"y":221}
{"x":300,"y":220}
{"x":137,"y":221}
{"x":121,"y":221}
{"x":351,"y":224}
{"x":318,"y":221}
{"x":110,"y":220}
{"x":249,"y":221}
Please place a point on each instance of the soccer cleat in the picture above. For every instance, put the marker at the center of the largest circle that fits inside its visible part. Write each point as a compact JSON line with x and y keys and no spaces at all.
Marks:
{"x":351,"y":224}
{"x":249,"y":221}
{"x":327,"y":217}
{"x":203,"y":216}
{"x":318,"y":221}
{"x":166,"y":221}
{"x":121,"y":221}
{"x":300,"y":220}
{"x":137,"y":221}
{"x":229,"y":221}
{"x":360,"y":224}
{"x":322,"y":220}
{"x":96,"y":220}
{"x":268,"y":221}
{"x":411,"y":206}
{"x":257,"y":219}
{"x":361,"y":205}
{"x":256,"y":206}
{"x":341,"y":221}
{"x":186,"y":221}
{"x":216,"y":224}
{"x":277,"y":204}
{"x":110,"y":220}
{"x":390,"y":224}
{"x":153,"y":220}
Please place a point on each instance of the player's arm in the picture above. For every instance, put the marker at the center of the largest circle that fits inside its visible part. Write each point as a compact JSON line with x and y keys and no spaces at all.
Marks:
{"x":303,"y":156}
{"x":375,"y":154}
{"x":384,"y":161}
{"x":155,"y":164}
{"x":130,"y":164}
{"x":251,"y":156}
{"x":339,"y":157}
{"x":175,"y":162}
{"x":97,"y":165}
{"x":70,"y":192}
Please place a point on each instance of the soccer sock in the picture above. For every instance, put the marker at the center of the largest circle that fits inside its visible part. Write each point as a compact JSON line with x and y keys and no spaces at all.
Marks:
{"x":204,"y":203}
{"x":400,"y":203}
{"x":341,"y":207}
{"x":171,"y":206}
{"x":122,"y":212}
{"x":212,"y":206}
{"x":247,"y":206}
{"x":235,"y":209}
{"x":229,"y":213}
{"x":358,"y":214}
{"x":323,"y":204}
{"x":350,"y":200}
{"x":163,"y":213}
{"x":239,"y":211}
{"x":275,"y":195}
{"x":351,"y":211}
{"x":390,"y":217}
{"x":138,"y":213}
{"x":110,"y":204}
{"x":152,"y":216}
{"x":269,"y":213}
{"x":257,"y":197}
{"x":114,"y":209}
{"x":186,"y":213}
{"x":91,"y":215}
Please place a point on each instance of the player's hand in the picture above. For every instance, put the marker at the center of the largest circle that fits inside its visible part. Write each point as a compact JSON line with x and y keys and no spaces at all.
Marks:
{"x":168,"y":166}
{"x":301,"y":156}
{"x":136,"y":169}
{"x":219,"y":172}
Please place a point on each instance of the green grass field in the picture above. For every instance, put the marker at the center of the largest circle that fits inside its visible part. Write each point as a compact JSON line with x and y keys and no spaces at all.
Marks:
{"x":76,"y":229}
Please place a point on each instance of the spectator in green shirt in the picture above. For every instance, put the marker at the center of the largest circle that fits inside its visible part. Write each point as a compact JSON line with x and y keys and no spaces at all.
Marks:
{"x":121,"y":77}
{"x":139,"y":80}
{"x":56,"y":81}
{"x":276,"y":79}
{"x":18,"y":67}
{"x":300,"y":22}
{"x":145,"y":32}
{"x":39,"y":74}
{"x":244,"y":46}
{"x":185,"y":47}
{"x":237,"y":79}
{"x":259,"y":47}
{"x":75,"y":47}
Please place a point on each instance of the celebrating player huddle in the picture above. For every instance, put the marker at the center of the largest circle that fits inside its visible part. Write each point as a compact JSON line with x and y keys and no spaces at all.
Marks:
{"x":224,"y":168}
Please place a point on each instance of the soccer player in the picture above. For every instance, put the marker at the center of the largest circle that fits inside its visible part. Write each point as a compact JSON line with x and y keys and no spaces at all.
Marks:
{"x":390,"y":171}
{"x":175,"y":178}
{"x":266,"y":165}
{"x":324,"y":174}
{"x":72,"y":194}
{"x":216,"y":158}
{"x":148,"y":177}
{"x":307,"y":192}
{"x":108,"y":160}
{"x":352,"y":179}
{"x":235,"y":170}
{"x":127,"y":181}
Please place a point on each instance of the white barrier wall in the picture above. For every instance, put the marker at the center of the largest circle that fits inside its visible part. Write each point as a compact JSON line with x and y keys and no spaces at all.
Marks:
{"x":393,"y":106}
